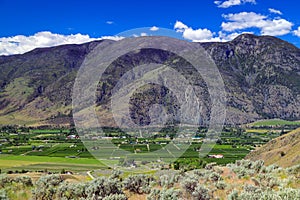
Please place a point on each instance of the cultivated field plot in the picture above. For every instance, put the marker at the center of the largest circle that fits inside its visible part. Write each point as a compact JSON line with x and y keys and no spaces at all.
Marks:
{"x":33,"y":149}
{"x":55,"y":164}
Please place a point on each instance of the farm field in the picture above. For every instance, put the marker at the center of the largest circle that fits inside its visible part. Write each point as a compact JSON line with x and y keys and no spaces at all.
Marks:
{"x":275,"y":122}
{"x":55,"y":164}
{"x":46,"y":149}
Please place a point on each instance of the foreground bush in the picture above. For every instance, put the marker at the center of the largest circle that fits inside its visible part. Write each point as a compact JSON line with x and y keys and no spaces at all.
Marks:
{"x":4,"y":180}
{"x":255,"y":193}
{"x":189,"y":184}
{"x":71,"y":191}
{"x":3,"y":195}
{"x":116,"y":197}
{"x":243,"y":180}
{"x":46,"y":187}
{"x":168,"y":180}
{"x":164,"y":194}
{"x":139,"y":183}
{"x":201,"y":193}
{"x":25,"y":180}
{"x":103,"y":187}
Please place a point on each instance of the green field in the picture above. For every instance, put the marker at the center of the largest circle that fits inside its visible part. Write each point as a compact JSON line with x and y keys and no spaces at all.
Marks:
{"x":49,"y":131}
{"x":51,"y":149}
{"x":34,"y":163}
{"x":275,"y":122}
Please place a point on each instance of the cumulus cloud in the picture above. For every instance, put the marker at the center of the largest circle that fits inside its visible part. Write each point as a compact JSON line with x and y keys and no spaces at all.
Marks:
{"x":272,"y":10}
{"x":21,"y":43}
{"x":180,"y":27}
{"x":154,"y":28}
{"x":191,"y":34}
{"x":202,"y":35}
{"x":297,"y":32}
{"x":229,"y":3}
{"x":245,"y":20}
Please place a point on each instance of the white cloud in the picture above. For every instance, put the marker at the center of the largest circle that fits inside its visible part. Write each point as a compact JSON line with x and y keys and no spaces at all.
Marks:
{"x":154,"y":28}
{"x":191,"y":34}
{"x":276,"y":27}
{"x":272,"y":10}
{"x":229,"y":3}
{"x":198,"y":34}
{"x":297,"y":32}
{"x":245,"y":20}
{"x":143,"y":34}
{"x":179,"y":26}
{"x":116,"y":38}
{"x":21,"y":43}
{"x":109,"y":22}
{"x":202,"y":35}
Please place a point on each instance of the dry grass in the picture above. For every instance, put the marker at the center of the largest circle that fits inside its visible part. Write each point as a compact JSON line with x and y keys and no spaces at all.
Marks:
{"x":283,"y":151}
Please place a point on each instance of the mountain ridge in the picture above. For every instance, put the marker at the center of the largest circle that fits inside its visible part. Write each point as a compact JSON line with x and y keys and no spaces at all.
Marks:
{"x":261,"y":76}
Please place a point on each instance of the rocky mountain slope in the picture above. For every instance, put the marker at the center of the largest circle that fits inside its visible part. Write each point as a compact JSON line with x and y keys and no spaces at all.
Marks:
{"x":261,"y":76}
{"x":283,"y":151}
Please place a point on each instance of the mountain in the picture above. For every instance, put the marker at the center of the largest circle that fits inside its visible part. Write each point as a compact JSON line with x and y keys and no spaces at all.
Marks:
{"x":283,"y":151}
{"x":261,"y":76}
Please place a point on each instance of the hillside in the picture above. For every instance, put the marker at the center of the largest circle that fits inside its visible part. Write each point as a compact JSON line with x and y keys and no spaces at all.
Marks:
{"x":261,"y":76}
{"x":283,"y":151}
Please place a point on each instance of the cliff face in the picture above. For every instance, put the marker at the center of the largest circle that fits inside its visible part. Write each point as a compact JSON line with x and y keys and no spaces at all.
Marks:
{"x":261,"y":76}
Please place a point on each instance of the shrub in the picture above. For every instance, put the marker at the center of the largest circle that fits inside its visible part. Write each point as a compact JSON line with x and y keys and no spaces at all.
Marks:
{"x":293,"y":170}
{"x":210,"y":166}
{"x":3,"y":195}
{"x":258,"y":165}
{"x":116,"y":174}
{"x":267,"y":180}
{"x":168,"y":180}
{"x":25,"y":180}
{"x":218,"y":170}
{"x":234,"y":195}
{"x":116,"y":197}
{"x":289,"y":193}
{"x":71,"y":191}
{"x":138,"y":183}
{"x":46,"y":187}
{"x":4,"y":180}
{"x":271,"y":168}
{"x":215,"y":177}
{"x":103,"y":187}
{"x":221,"y":185}
{"x":154,"y":194}
{"x":251,"y":188}
{"x":164,"y":194}
{"x":201,"y":193}
{"x":189,"y":184}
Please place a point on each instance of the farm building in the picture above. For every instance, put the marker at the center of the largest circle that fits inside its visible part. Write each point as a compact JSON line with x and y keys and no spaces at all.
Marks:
{"x":216,"y":156}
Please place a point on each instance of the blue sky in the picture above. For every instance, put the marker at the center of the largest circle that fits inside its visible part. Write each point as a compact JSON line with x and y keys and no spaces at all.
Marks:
{"x":29,"y":24}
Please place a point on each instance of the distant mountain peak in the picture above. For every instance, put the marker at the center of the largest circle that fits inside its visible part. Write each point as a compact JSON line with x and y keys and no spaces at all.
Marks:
{"x":251,"y":39}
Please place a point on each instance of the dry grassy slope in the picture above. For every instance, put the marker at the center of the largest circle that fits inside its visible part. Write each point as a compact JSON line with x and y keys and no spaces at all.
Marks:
{"x":283,"y":150}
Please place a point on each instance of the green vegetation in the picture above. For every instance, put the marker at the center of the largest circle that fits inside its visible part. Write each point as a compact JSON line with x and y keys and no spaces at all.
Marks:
{"x":275,"y":122}
{"x":43,"y":148}
{"x":241,"y":180}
